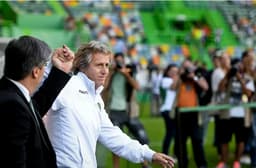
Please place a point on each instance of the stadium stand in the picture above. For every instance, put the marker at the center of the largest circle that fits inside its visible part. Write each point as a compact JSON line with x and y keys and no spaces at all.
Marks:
{"x":239,"y":15}
{"x":38,"y":18}
{"x":150,"y":31}
{"x":39,"y":7}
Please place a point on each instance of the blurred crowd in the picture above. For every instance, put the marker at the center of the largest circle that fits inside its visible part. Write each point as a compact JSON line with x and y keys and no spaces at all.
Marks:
{"x":189,"y":85}
{"x":231,"y":81}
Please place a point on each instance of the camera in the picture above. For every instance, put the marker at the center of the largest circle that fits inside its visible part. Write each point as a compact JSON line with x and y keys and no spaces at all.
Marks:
{"x":187,"y":71}
{"x":232,"y":72}
{"x":234,"y":68}
{"x":200,"y":72}
{"x":119,"y":65}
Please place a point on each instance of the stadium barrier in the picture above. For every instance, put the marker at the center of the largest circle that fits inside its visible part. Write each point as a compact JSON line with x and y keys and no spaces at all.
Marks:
{"x":215,"y":107}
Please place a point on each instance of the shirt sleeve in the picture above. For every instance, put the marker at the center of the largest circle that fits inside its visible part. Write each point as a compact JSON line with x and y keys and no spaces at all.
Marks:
{"x":250,"y":85}
{"x":166,"y":83}
{"x":118,"y":142}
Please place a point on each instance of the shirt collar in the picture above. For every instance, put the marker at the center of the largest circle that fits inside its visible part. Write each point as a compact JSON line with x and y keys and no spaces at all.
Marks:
{"x":90,"y":84}
{"x":22,"y":88}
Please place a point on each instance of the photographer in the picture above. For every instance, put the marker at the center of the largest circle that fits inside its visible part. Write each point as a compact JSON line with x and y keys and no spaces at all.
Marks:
{"x":237,"y":87}
{"x":120,"y":87}
{"x":189,"y":124}
{"x":218,"y":74}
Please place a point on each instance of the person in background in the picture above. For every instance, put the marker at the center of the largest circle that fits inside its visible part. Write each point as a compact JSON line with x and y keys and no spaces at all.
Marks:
{"x":204,"y":96}
{"x":215,"y":79}
{"x":77,"y":119}
{"x":155,"y":80}
{"x":252,"y":141}
{"x":168,"y":87}
{"x":222,"y":62}
{"x":249,"y":69}
{"x":121,"y":88}
{"x":249,"y":154}
{"x":189,"y":124}
{"x":238,"y":87}
{"x":217,"y":75}
{"x":69,"y":23}
{"x":24,"y":142}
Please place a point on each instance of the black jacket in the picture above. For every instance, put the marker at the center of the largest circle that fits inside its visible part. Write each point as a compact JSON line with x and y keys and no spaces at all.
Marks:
{"x":24,"y":143}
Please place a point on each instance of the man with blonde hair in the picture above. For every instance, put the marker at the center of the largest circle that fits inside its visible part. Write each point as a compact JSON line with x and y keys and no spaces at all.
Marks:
{"x":77,"y":119}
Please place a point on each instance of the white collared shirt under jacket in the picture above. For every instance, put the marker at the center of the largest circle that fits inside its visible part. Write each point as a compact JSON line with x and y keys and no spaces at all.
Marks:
{"x":77,"y":120}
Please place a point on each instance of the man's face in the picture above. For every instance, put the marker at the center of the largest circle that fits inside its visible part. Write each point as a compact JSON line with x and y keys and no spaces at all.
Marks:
{"x":41,"y":74}
{"x":173,"y":72}
{"x":98,"y":68}
{"x":225,"y":60}
{"x":249,"y":60}
{"x":119,"y":62}
{"x":36,"y":77}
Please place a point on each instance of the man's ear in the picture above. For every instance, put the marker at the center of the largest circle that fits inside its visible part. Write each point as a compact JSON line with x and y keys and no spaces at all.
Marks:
{"x":35,"y":72}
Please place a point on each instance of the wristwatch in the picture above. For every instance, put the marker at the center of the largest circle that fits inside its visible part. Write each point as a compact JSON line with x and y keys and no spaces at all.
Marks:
{"x":195,"y":78}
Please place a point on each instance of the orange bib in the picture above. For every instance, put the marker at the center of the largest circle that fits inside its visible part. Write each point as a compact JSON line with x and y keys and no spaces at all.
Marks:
{"x":187,"y":96}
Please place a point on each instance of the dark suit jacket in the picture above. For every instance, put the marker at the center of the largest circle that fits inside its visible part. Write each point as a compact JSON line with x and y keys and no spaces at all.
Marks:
{"x":24,"y":143}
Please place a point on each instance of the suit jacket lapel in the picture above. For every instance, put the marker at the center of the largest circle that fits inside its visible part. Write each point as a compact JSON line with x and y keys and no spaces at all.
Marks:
{"x":11,"y":88}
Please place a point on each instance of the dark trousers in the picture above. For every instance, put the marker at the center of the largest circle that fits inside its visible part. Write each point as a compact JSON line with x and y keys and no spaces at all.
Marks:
{"x":252,"y":141}
{"x":187,"y":126}
{"x":217,"y":128}
{"x":169,"y":131}
{"x":121,"y":119}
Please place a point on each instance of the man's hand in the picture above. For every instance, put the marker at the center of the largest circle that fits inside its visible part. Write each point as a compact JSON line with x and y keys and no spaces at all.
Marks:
{"x":163,"y":160}
{"x":62,"y":58}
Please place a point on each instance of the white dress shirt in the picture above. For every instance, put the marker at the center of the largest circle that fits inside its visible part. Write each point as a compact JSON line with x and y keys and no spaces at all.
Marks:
{"x":22,"y":88}
{"x":77,"y":120}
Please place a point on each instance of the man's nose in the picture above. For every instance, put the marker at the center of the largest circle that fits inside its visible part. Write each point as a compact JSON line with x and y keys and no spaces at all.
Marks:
{"x":104,"y":70}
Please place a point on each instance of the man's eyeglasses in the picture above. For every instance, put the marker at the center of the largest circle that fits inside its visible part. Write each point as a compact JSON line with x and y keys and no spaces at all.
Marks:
{"x":44,"y":64}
